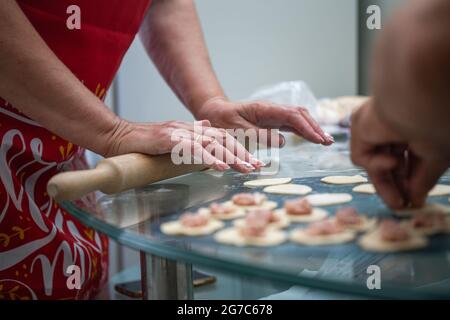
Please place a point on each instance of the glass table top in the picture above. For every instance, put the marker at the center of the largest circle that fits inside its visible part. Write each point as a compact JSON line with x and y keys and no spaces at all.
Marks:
{"x":134,"y":217}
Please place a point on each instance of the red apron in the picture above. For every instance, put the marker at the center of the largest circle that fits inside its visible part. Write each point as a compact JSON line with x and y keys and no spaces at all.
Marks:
{"x":38,"y":239}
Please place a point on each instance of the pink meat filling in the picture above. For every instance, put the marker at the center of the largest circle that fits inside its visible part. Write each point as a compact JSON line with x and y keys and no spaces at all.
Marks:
{"x":323,"y":228}
{"x":298,"y":207}
{"x":216,"y":208}
{"x":428,"y":220}
{"x":248,"y":199}
{"x":194,"y":220}
{"x":266,"y":214}
{"x":255,"y":225}
{"x":348,"y":216}
{"x":392,"y":231}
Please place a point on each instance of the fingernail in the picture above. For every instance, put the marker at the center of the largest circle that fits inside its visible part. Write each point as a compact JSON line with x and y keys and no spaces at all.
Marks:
{"x":260,"y":163}
{"x":322,"y":140}
{"x":329,"y":137}
{"x":256,"y":162}
{"x":222,"y":165}
{"x":248,"y":165}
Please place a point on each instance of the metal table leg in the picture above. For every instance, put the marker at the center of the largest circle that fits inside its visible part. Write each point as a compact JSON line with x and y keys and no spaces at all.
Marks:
{"x":164,"y":279}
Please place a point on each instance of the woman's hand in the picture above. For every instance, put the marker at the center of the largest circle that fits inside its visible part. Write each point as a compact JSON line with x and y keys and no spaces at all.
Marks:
{"x":213,"y":147}
{"x":263,"y":115}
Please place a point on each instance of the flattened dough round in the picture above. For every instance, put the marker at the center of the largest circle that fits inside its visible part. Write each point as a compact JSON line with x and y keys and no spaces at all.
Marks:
{"x":237,"y":213}
{"x":365,"y":188}
{"x":316,"y":215}
{"x":439,"y":190}
{"x":428,"y":208}
{"x":301,"y":237}
{"x":233,"y":237}
{"x":176,"y":228}
{"x":373,"y":242}
{"x":328,"y":199}
{"x":266,"y":182}
{"x":344,"y":179}
{"x":292,"y":189}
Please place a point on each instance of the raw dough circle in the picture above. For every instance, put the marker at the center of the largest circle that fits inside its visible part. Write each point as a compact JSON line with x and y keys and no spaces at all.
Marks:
{"x":266,"y":182}
{"x":237,"y":213}
{"x":292,"y":189}
{"x":282,"y":223}
{"x":316,"y":215}
{"x":176,"y":228}
{"x":265,"y":205}
{"x":428,"y":208}
{"x":365,"y":188}
{"x":232,"y":236}
{"x":439,"y":190}
{"x":344,"y":179}
{"x":372,"y":242}
{"x":328,"y":199}
{"x":301,"y":237}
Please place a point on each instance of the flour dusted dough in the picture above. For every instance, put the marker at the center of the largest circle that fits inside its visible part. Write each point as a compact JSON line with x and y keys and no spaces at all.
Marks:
{"x":301,"y":237}
{"x":291,"y":189}
{"x":266,"y":182}
{"x":344,"y":179}
{"x":237,"y":213}
{"x":365,"y":188}
{"x":316,"y":215}
{"x":428,"y":208}
{"x":439,"y":190}
{"x":282,"y":223}
{"x":232,"y":236}
{"x":328,"y":199}
{"x":176,"y":228}
{"x":372,"y":242}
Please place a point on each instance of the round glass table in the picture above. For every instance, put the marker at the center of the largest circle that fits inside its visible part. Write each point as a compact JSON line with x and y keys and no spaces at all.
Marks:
{"x":133,"y":218}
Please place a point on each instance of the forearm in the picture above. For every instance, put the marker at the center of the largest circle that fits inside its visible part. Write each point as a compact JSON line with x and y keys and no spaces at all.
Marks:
{"x":173,"y":38}
{"x":36,"y":82}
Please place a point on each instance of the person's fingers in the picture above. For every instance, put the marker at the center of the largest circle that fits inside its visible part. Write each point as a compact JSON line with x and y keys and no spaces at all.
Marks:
{"x":302,"y":127}
{"x":237,"y":154}
{"x":381,"y":162}
{"x":424,"y":175}
{"x":266,"y":137}
{"x":328,"y":138}
{"x":272,"y":116}
{"x":200,"y":155}
{"x":225,"y":155}
{"x":387,"y":188}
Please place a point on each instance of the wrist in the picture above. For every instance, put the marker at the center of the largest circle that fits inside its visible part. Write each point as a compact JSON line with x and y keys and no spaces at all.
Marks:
{"x":112,"y":142}
{"x":204,"y":108}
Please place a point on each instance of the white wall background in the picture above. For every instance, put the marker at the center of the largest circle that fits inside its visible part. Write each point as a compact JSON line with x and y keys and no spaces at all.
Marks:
{"x":254,"y":43}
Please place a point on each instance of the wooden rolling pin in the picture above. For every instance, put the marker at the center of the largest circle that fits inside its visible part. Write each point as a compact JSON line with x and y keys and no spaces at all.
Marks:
{"x":116,"y":174}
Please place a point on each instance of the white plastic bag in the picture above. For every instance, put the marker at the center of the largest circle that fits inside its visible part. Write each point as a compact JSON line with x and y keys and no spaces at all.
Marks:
{"x":291,"y":93}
